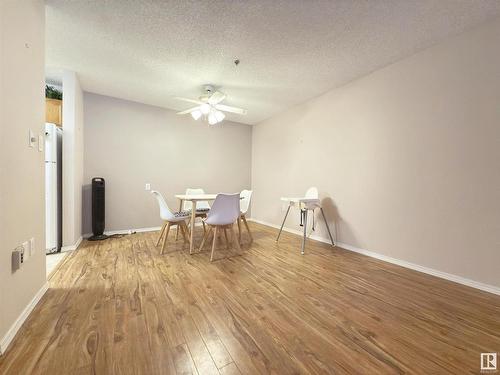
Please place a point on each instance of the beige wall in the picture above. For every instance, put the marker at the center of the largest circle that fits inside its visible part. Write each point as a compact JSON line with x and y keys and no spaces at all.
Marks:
{"x":3,"y":268}
{"x":72,"y":158}
{"x":21,"y":168}
{"x":409,"y":155}
{"x":131,"y":144}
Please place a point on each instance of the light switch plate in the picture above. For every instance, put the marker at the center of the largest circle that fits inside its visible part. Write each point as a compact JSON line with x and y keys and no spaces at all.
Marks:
{"x":148,"y":187}
{"x":31,"y":138}
{"x":32,"y":246}
{"x":40,"y":143}
{"x":26,"y":251}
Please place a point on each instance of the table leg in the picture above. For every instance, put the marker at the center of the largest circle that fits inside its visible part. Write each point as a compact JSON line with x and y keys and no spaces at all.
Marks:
{"x":177,"y":230}
{"x":305,"y":232}
{"x":193,"y":217}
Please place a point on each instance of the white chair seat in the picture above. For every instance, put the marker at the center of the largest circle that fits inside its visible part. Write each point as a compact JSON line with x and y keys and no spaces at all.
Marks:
{"x":225,"y":210}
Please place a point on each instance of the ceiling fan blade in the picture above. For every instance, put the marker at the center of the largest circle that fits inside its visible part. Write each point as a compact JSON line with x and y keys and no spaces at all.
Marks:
{"x":188,"y":111}
{"x":216,"y":98}
{"x":227,"y":108}
{"x":188,"y":100}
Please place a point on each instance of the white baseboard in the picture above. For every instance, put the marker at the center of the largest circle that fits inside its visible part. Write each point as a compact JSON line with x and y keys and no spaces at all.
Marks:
{"x":74,"y":246}
{"x":430,"y":271}
{"x":125,"y":231}
{"x":11,"y":333}
{"x":132,"y":230}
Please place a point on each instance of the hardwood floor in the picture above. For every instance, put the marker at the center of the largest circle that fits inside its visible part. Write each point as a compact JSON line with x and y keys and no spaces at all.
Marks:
{"x":119,"y":307}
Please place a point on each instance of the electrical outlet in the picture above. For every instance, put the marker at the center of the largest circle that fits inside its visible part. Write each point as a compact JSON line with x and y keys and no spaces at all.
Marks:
{"x":148,"y":187}
{"x":32,"y":246}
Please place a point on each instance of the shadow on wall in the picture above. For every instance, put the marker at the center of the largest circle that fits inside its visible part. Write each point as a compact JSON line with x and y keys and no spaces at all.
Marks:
{"x":337,"y":225}
{"x":332,"y":216}
{"x":87,"y":209}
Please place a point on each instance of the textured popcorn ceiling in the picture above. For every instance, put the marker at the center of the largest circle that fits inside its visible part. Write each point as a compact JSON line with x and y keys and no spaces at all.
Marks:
{"x":290,"y":50}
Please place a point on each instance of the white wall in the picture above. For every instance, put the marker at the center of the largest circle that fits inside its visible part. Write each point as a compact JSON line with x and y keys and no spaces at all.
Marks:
{"x":407,"y":158}
{"x":72,"y":158}
{"x":130,"y":144}
{"x":22,"y":203}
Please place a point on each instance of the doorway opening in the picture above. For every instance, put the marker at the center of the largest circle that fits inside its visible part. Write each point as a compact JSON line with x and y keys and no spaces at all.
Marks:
{"x":53,"y":175}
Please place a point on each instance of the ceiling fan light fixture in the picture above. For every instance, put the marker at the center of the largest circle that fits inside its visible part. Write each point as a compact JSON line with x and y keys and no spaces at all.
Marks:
{"x":212,"y":118}
{"x":219,"y":116}
{"x":196,"y":114}
{"x":209,"y":107}
{"x":205,"y":108}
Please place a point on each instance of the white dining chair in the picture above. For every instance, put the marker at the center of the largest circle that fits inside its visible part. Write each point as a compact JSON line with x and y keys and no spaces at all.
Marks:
{"x":222,"y":216}
{"x":202,"y":207}
{"x":246,"y":196}
{"x":169,"y":219}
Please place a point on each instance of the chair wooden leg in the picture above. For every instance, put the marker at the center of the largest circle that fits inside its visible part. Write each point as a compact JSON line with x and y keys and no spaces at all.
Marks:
{"x":167,"y":229}
{"x":177,"y":230}
{"x":225,"y":236}
{"x":213,"y":244}
{"x":183,"y":232}
{"x":205,"y":236}
{"x":186,"y":230}
{"x":239,"y":228}
{"x":235,"y":240}
{"x":161,"y":233}
{"x":248,"y":229}
{"x":204,"y":228}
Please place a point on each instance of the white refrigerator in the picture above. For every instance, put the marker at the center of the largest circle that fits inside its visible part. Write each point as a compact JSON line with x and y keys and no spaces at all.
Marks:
{"x":53,"y":188}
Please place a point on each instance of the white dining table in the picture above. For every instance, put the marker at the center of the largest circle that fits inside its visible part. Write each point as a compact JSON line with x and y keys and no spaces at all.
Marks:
{"x":193,"y":198}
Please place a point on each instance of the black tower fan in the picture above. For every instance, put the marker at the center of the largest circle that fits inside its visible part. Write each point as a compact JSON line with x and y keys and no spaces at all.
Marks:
{"x":98,"y":189}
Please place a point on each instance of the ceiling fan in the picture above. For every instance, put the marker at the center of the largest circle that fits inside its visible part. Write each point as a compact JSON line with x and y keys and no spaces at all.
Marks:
{"x":209,"y":106}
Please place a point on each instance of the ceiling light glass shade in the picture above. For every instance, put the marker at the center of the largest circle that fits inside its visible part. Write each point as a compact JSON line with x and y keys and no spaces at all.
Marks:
{"x":196,"y":114}
{"x":212,"y":119}
{"x":219,"y":116}
{"x":205,"y":108}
